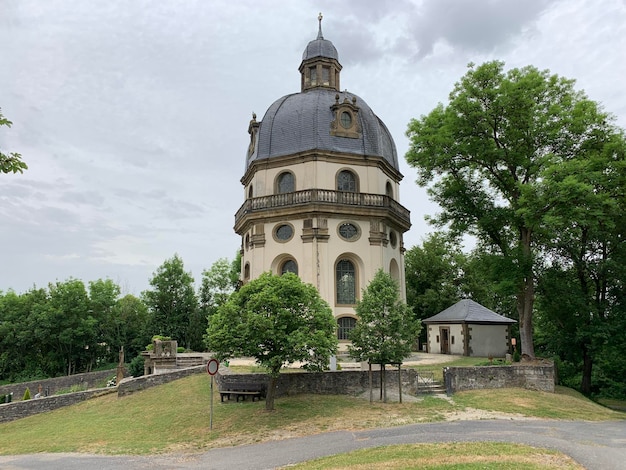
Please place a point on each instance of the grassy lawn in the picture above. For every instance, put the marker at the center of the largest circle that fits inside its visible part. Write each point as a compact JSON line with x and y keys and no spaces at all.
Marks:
{"x":474,"y":455}
{"x":175,"y":417}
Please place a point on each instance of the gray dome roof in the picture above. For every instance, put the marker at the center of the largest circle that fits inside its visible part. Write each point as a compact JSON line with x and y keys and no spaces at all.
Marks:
{"x":302,"y":121}
{"x":320,"y":47}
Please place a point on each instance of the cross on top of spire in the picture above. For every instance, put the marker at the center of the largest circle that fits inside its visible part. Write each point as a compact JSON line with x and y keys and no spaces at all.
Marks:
{"x":319,"y":34}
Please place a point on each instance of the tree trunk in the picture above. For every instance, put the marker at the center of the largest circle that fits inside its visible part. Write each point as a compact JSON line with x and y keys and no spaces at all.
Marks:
{"x":526,"y":296}
{"x":271,"y":393}
{"x":585,"y":384}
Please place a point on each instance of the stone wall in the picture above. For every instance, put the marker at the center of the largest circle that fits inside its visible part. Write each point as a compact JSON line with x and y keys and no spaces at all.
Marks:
{"x":332,"y":382}
{"x":87,"y":380}
{"x":533,"y":377}
{"x":136,"y":384}
{"x":22,"y":409}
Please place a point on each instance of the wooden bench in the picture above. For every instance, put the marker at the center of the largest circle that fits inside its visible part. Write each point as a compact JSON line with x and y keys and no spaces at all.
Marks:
{"x":243,"y":390}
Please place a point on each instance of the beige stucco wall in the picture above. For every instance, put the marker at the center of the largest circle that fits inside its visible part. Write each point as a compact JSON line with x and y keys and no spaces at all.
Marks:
{"x":321,"y":175}
{"x":317,"y":259}
{"x":489,"y":340}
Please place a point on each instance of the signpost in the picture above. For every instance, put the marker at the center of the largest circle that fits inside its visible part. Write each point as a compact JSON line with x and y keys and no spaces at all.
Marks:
{"x":212,"y":367}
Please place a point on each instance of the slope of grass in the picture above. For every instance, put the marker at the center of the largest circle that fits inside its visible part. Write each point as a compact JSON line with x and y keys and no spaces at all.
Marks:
{"x":175,"y":417}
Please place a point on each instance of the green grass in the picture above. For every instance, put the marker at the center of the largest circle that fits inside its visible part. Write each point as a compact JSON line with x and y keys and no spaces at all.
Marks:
{"x":437,"y":369}
{"x":175,"y":417}
{"x":564,"y":404}
{"x":474,"y":455}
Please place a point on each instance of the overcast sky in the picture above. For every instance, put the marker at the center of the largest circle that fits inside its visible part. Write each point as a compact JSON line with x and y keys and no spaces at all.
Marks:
{"x":133,"y":115}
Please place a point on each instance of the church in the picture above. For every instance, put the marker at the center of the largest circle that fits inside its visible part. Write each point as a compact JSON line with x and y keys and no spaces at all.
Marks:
{"x":321,"y":189}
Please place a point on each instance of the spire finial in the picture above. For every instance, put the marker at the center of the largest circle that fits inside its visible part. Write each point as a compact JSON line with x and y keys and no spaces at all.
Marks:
{"x":319,"y":34}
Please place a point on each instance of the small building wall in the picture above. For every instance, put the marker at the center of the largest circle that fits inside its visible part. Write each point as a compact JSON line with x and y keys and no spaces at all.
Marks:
{"x":488,"y":340}
{"x":456,"y":338}
{"x":470,"y":339}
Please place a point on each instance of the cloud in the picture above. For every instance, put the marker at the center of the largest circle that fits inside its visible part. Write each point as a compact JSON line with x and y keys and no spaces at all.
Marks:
{"x":476,"y":26}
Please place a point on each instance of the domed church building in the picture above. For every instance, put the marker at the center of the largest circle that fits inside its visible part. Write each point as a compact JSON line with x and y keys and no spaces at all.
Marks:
{"x":321,"y":189}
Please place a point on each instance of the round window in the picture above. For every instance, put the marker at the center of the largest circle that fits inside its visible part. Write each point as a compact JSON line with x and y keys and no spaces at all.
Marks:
{"x":346,"y":119}
{"x":393,"y":239}
{"x":284,"y":232}
{"x":348,"y":231}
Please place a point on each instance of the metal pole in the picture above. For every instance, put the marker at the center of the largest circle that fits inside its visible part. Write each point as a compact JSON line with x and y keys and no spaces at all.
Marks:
{"x":211,"y":413}
{"x":400,"y":381}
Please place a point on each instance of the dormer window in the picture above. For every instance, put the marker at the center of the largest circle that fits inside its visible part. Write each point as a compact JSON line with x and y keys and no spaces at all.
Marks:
{"x":346,"y":122}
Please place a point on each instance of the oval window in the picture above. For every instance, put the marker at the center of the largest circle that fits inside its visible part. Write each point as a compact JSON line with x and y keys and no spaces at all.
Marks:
{"x":346,"y":119}
{"x":393,"y":239}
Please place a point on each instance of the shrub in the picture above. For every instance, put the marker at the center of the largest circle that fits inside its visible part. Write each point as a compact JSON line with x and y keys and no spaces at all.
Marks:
{"x":136,"y":366}
{"x":26,"y":394}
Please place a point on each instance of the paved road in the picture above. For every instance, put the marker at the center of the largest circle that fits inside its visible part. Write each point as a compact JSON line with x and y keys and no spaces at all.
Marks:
{"x":597,"y":446}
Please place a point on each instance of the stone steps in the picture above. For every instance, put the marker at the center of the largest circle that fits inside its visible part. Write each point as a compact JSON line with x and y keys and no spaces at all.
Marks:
{"x":430,"y":388}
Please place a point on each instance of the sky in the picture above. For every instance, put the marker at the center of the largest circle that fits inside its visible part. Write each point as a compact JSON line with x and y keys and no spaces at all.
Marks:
{"x":132,"y":115}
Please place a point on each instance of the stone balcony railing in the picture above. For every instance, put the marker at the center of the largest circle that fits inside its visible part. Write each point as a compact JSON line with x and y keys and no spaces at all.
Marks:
{"x":324,"y":197}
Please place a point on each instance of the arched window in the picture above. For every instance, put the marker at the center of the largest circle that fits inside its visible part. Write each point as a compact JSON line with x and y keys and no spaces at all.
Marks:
{"x":345,"y":279}
{"x":285,"y":183}
{"x":250,"y":192}
{"x":344,"y":326}
{"x":289,"y":266}
{"x":346,"y":181}
{"x":389,"y":190}
{"x":394,"y":270}
{"x":246,"y":271}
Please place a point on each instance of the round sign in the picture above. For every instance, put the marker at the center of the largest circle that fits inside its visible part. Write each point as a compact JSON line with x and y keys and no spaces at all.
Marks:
{"x":212,"y":366}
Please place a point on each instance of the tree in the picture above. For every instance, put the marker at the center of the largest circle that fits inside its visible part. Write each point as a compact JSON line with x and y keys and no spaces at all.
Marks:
{"x":278,"y":320}
{"x":130,"y":316}
{"x":10,"y":162}
{"x":218,"y":282}
{"x":386,"y":329}
{"x":485,"y":156}
{"x":581,"y":293}
{"x":435,"y":274}
{"x":173,"y":304}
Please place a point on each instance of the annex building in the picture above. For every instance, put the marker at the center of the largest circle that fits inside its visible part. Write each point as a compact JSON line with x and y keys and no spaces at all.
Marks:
{"x":321,"y":188}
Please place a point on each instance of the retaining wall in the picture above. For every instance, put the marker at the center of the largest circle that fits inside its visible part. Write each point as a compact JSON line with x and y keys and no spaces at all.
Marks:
{"x":135,"y":384}
{"x":331,"y":382}
{"x":87,"y":380}
{"x":532,"y":377}
{"x":22,"y":409}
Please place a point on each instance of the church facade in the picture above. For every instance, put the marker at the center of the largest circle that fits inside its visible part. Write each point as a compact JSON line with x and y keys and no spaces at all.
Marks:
{"x":321,"y":189}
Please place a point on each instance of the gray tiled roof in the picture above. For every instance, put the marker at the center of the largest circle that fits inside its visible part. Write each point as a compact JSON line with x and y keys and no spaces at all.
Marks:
{"x":468,"y":311}
{"x":301,"y":122}
{"x":320,"y":47}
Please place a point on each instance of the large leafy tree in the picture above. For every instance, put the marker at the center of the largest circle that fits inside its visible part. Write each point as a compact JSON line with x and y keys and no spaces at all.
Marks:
{"x":581,"y":296}
{"x":485,"y":156}
{"x":10,"y":162}
{"x":386,"y":329}
{"x":278,"y":320}
{"x":173,"y":304}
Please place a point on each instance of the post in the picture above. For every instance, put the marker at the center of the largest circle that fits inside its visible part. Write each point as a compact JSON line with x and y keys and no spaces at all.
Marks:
{"x":400,"y":380}
{"x":371,"y":392}
{"x":211,"y":412}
